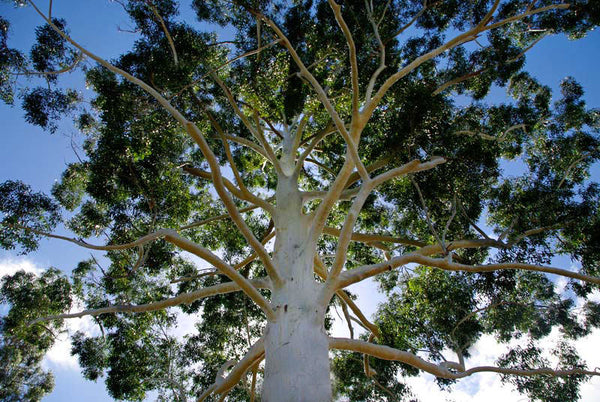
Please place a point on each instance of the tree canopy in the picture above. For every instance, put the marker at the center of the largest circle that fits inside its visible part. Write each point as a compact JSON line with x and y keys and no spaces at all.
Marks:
{"x":354,"y":139}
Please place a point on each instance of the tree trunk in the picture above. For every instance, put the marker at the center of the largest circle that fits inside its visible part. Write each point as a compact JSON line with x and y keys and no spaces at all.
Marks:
{"x":297,"y":356}
{"x":296,"y":344}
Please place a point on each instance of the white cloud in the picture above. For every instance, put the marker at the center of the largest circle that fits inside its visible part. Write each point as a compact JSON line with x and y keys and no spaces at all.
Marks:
{"x":483,"y":386}
{"x":59,"y":356}
{"x":9,"y":266}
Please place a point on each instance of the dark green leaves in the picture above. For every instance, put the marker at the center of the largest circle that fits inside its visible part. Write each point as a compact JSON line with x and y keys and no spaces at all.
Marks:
{"x":44,"y":106}
{"x":10,"y":61}
{"x":21,"y":208}
{"x":22,"y":344}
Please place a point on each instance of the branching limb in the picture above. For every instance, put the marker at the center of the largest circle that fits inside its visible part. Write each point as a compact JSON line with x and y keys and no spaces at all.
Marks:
{"x":352,"y":216}
{"x":348,"y":318}
{"x":227,"y":269}
{"x":230,"y":205}
{"x":322,"y":166}
{"x":215,"y":218}
{"x":198,"y":138}
{"x":223,"y":384}
{"x":351,"y":138}
{"x":337,"y":11}
{"x":468,"y":36}
{"x":410,"y":167}
{"x":184,"y":298}
{"x":375,"y":238}
{"x":411,"y":22}
{"x":316,"y":195}
{"x":254,"y":130}
{"x":311,"y":146}
{"x":240,"y":193}
{"x":238,"y":177}
{"x":111,"y":247}
{"x":419,"y":257}
{"x":381,"y":67}
{"x":161,"y":21}
{"x":232,"y":60}
{"x":427,"y":216}
{"x":65,"y":69}
{"x":473,"y":74}
{"x":442,"y":370}
{"x":321,"y":270}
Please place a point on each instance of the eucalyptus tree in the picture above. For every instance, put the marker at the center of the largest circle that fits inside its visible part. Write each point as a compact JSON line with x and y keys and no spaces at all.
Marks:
{"x":244,"y":184}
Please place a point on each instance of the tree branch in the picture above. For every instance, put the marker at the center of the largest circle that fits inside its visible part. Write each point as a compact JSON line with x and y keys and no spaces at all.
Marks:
{"x":442,"y":370}
{"x":184,"y":298}
{"x":471,"y":34}
{"x":337,"y":11}
{"x":223,"y":385}
{"x":227,"y":269}
{"x":419,"y":257}
{"x":352,"y":216}
{"x":165,"y":30}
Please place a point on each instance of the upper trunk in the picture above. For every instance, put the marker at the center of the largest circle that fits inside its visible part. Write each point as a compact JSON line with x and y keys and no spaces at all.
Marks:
{"x":296,"y":345}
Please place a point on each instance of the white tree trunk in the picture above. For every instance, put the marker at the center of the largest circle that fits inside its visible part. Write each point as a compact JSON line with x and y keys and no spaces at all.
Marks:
{"x":296,"y":344}
{"x":297,"y":357}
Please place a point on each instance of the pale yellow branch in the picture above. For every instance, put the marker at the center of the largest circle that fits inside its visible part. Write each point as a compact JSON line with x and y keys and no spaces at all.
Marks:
{"x":184,"y":298}
{"x":236,"y":217}
{"x":419,"y":257}
{"x":161,"y":21}
{"x":321,"y":271}
{"x":61,"y":71}
{"x":471,"y":34}
{"x":337,"y":11}
{"x":227,"y":269}
{"x":442,"y":370}
{"x":240,"y":193}
{"x":251,"y":359}
{"x":352,"y":216}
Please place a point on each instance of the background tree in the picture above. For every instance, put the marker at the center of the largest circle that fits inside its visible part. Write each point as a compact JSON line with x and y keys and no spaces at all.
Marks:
{"x":320,"y":147}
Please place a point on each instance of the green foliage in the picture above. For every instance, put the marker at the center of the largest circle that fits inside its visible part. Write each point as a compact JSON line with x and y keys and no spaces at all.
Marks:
{"x":22,"y":344}
{"x":140,"y":171}
{"x":544,"y":388}
{"x":20,"y":207}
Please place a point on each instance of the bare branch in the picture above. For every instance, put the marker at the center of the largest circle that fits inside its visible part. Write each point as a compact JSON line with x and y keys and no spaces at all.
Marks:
{"x":314,"y":142}
{"x":184,"y":298}
{"x":254,"y":130}
{"x":413,"y":166}
{"x":161,"y":21}
{"x":227,"y":269}
{"x":321,"y":270}
{"x":465,"y":77}
{"x":442,"y":370}
{"x":214,"y":219}
{"x":251,"y":359}
{"x":375,"y":238}
{"x":139,"y":242}
{"x":65,"y":69}
{"x":347,"y":317}
{"x":337,"y":11}
{"x":229,"y":204}
{"x":351,"y":138}
{"x":240,"y":193}
{"x":409,"y":23}
{"x":458,"y":40}
{"x":238,"y":177}
{"x":382,"y":65}
{"x":419,"y":257}
{"x":234,"y":59}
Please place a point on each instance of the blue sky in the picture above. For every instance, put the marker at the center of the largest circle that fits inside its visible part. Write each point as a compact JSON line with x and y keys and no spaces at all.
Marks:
{"x":38,"y":158}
